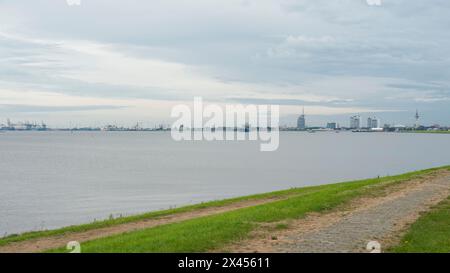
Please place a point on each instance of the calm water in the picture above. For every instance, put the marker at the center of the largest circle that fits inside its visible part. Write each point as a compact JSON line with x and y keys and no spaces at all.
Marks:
{"x":54,"y":179}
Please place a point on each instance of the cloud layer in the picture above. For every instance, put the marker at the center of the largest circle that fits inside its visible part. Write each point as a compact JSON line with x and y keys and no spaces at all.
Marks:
{"x":128,"y":61}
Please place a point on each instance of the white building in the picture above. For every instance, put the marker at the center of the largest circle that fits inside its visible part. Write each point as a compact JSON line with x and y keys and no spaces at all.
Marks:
{"x":355,"y":122}
{"x":373,"y":123}
{"x":301,"y":121}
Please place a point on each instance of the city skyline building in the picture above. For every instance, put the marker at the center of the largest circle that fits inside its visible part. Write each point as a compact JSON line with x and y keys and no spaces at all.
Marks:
{"x":373,"y":122}
{"x":301,"y":121}
{"x":355,"y":122}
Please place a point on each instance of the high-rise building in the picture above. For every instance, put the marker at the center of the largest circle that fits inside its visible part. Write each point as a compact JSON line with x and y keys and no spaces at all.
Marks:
{"x":373,"y":123}
{"x":301,"y":121}
{"x":355,"y":122}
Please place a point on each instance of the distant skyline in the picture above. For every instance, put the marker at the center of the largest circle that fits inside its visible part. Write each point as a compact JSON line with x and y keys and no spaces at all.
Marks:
{"x":110,"y":61}
{"x":342,"y":120}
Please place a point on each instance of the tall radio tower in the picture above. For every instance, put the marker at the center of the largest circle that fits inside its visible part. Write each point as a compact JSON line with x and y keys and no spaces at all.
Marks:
{"x":417,"y":119}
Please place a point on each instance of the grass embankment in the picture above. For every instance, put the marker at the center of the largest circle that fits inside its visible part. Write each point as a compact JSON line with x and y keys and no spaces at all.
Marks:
{"x":430,"y":233}
{"x":427,"y":132}
{"x":212,"y":232}
{"x":146,"y":216}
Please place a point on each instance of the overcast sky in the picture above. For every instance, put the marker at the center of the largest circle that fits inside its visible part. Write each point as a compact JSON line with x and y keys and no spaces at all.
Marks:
{"x":111,"y":61}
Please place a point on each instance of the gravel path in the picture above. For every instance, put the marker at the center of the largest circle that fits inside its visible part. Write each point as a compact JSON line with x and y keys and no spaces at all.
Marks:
{"x":378,"y":223}
{"x":382,"y":219}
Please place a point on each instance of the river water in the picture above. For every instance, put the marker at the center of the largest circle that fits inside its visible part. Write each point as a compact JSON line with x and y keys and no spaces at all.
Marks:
{"x":55,"y":179}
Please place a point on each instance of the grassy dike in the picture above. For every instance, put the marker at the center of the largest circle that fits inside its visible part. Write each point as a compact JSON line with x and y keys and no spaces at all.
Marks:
{"x":207,"y":233}
{"x":210,"y":232}
{"x":430,"y":233}
{"x":147,"y":216}
{"x":428,"y":132}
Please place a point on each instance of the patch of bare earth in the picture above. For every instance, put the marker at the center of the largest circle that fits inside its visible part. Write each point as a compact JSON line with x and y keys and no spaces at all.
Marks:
{"x":348,"y":228}
{"x":52,"y":242}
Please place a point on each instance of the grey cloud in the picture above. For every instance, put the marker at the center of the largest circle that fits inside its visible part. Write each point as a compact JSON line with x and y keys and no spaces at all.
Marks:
{"x":11,"y":108}
{"x":265,"y":42}
{"x":263,"y":101}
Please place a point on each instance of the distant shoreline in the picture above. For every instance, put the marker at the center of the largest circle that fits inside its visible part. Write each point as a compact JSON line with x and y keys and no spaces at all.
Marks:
{"x":241,"y":131}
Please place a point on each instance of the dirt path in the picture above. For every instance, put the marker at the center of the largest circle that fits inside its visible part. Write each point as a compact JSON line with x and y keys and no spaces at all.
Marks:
{"x":46,"y":243}
{"x":349,"y":229}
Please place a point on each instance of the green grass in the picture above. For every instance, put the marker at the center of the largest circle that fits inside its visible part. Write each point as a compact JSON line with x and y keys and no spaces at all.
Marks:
{"x":205,"y":233}
{"x":212,"y":232}
{"x":429,"y":234}
{"x":281,"y":226}
{"x":150,"y":215}
{"x":427,"y":132}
